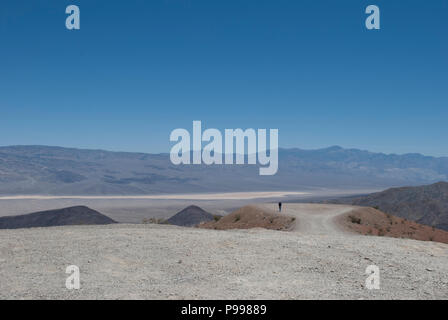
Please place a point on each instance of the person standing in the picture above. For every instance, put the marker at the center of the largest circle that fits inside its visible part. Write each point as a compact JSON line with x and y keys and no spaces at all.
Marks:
{"x":279,"y":207}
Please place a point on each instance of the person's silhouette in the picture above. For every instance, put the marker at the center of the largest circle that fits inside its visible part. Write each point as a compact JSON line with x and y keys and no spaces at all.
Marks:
{"x":279,"y":207}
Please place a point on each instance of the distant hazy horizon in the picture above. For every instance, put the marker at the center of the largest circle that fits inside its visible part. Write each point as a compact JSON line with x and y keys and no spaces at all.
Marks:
{"x":280,"y":148}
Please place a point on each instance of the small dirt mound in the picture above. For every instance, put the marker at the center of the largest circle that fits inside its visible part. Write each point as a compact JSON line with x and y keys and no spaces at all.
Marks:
{"x":189,"y":217}
{"x":251,"y":217}
{"x":369,"y":221}
{"x":79,"y":215}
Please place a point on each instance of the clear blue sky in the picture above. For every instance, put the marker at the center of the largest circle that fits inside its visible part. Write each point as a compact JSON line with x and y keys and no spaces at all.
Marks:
{"x":138,"y":69}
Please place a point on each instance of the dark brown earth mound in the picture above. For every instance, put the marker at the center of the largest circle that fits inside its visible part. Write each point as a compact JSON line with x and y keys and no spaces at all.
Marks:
{"x":369,"y":221}
{"x":190,"y":216}
{"x":79,"y":215}
{"x":251,"y":217}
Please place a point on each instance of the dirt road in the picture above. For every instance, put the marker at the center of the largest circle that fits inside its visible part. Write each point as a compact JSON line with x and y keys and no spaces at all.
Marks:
{"x":312,"y":219}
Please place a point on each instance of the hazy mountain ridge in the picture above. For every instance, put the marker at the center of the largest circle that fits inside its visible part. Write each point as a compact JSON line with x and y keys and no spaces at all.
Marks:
{"x":68,"y":171}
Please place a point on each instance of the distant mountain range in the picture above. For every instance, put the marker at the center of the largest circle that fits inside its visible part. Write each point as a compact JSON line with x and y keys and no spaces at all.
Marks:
{"x":65,"y":171}
{"x":424,"y":204}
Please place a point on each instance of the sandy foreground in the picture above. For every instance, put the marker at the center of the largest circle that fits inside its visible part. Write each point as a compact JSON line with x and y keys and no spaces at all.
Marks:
{"x":317,"y":260}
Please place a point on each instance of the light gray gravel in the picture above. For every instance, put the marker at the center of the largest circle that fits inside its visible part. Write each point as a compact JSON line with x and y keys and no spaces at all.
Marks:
{"x":316,"y":261}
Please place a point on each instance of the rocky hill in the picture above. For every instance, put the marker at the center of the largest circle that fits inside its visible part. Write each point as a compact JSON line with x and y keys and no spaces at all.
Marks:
{"x":79,"y":215}
{"x":189,"y":217}
{"x":426,"y":204}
